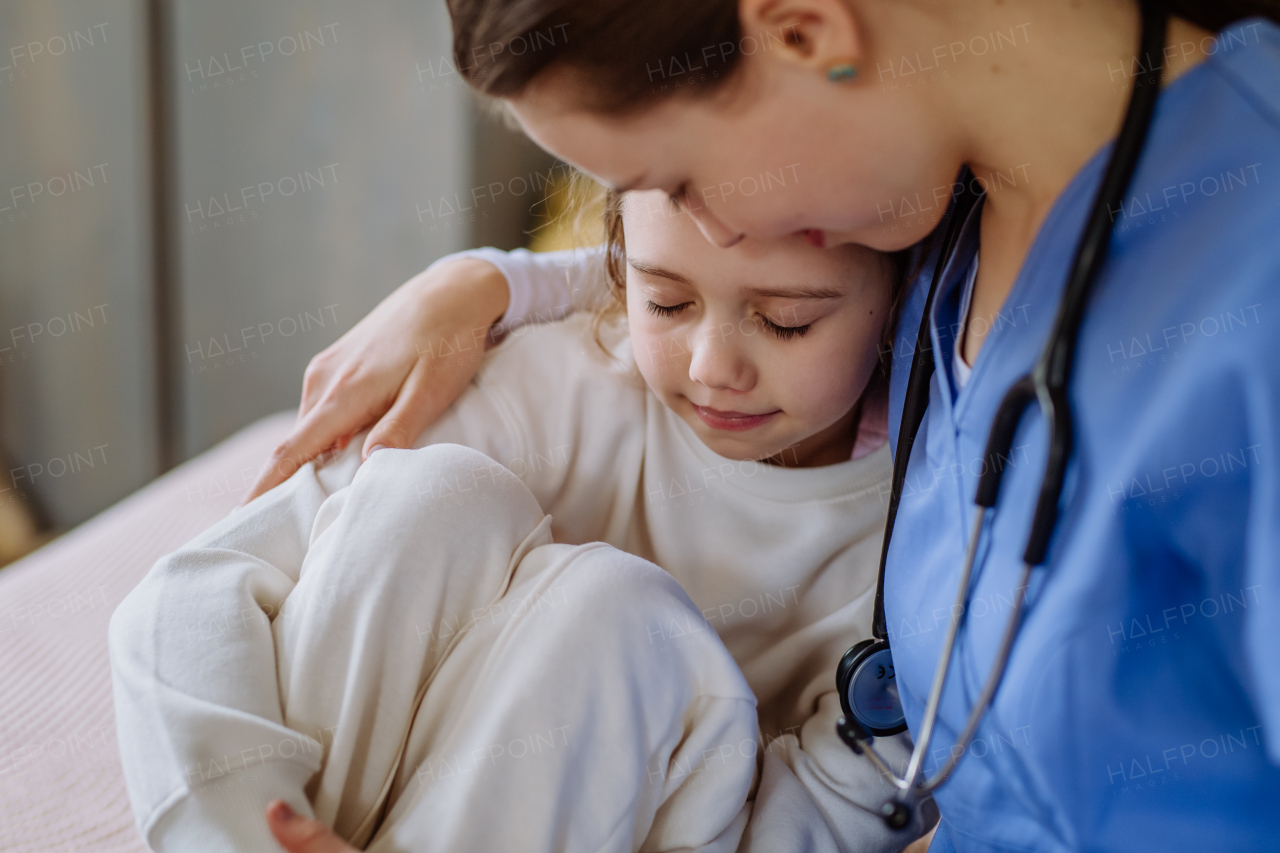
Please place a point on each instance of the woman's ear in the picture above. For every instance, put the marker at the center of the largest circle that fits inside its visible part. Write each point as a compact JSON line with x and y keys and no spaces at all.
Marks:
{"x":817,"y":34}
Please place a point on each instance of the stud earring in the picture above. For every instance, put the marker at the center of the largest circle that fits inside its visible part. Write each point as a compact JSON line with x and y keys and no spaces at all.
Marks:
{"x":842,"y":72}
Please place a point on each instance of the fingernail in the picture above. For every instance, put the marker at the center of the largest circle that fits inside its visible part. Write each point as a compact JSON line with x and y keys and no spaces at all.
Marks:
{"x":283,"y":811}
{"x":375,"y":449}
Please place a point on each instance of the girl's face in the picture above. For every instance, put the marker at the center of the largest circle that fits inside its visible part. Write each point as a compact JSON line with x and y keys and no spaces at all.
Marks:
{"x":757,"y":158}
{"x":763,"y":348}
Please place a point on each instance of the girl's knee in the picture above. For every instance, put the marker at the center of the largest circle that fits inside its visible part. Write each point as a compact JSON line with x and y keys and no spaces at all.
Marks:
{"x":460,"y":488}
{"x":604,"y":584}
{"x":623,"y":601}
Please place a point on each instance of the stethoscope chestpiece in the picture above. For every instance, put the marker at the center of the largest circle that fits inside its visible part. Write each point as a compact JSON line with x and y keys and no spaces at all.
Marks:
{"x":868,"y":689}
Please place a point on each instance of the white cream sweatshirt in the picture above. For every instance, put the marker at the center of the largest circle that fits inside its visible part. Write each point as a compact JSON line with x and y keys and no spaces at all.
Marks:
{"x":781,"y":561}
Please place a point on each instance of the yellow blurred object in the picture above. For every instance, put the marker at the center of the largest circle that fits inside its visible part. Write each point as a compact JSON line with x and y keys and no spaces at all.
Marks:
{"x":18,"y":533}
{"x":572,"y":215}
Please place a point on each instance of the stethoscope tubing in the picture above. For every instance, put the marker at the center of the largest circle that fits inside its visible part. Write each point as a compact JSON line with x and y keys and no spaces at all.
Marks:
{"x":915,"y":765}
{"x":1046,"y":386}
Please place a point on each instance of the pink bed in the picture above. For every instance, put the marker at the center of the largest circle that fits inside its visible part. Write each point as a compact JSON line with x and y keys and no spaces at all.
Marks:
{"x":60,"y":783}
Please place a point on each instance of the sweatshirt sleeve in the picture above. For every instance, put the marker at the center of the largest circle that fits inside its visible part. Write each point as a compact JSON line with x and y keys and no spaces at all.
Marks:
{"x":191,"y":647}
{"x":545,"y":286}
{"x":817,"y":796}
{"x":193,"y":669}
{"x":572,"y":413}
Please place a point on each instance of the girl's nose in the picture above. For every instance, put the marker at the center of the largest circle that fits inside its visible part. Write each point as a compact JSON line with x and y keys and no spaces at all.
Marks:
{"x":716,"y":232}
{"x":717,"y":362}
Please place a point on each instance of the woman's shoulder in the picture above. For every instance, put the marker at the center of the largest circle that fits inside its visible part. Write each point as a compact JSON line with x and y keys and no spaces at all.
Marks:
{"x":1203,"y":206}
{"x":1247,"y":55}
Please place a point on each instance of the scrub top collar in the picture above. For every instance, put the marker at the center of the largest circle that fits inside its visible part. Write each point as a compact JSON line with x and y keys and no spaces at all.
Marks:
{"x":962,"y":368}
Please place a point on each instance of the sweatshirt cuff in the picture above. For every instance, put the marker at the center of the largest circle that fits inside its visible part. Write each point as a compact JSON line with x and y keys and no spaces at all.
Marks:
{"x":544,"y":286}
{"x":517,"y":281}
{"x":228,"y":814}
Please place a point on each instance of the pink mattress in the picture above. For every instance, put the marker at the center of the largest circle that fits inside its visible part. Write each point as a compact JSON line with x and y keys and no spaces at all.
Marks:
{"x":60,"y":783}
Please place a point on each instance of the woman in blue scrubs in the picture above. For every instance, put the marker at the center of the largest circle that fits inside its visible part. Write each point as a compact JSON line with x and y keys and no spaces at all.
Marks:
{"x":1140,"y":708}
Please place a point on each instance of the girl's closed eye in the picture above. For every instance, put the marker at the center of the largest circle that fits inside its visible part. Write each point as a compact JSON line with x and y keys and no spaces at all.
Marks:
{"x":781,"y":330}
{"x":664,"y":310}
{"x":785,"y":333}
{"x":789,"y":321}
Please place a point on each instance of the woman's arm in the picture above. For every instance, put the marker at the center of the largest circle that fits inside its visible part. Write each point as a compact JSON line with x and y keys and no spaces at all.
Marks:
{"x":402,"y":365}
{"x":546,"y":286}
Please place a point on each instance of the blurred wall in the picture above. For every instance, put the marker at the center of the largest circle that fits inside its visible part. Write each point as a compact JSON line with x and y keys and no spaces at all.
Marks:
{"x":77,"y":391}
{"x":321,"y":152}
{"x":305,"y":144}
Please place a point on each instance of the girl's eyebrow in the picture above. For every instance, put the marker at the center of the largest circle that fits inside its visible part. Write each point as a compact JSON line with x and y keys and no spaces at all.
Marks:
{"x":649,"y":269}
{"x":798,"y":292}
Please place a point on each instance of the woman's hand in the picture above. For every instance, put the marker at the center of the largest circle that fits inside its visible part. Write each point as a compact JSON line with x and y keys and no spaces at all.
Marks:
{"x":401,"y":367}
{"x":298,"y":834}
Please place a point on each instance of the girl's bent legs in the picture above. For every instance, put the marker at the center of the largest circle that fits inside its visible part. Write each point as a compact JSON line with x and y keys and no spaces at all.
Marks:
{"x":591,"y":709}
{"x":398,"y":563}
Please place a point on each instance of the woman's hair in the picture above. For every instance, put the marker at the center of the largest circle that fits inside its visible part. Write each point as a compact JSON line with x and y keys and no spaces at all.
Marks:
{"x":631,"y":52}
{"x":634,"y":54}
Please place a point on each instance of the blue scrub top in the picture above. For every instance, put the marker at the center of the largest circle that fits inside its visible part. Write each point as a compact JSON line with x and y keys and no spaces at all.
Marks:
{"x":1141,"y":705}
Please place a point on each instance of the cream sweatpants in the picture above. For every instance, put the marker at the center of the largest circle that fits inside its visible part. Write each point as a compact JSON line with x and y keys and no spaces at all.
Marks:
{"x":477,"y":687}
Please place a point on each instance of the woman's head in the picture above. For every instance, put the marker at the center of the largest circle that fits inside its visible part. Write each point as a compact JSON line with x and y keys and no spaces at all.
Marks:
{"x":728,"y":103}
{"x":717,"y":108}
{"x":765,"y":348}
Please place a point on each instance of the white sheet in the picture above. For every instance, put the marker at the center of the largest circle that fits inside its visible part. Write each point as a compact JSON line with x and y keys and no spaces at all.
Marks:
{"x":61,"y":787}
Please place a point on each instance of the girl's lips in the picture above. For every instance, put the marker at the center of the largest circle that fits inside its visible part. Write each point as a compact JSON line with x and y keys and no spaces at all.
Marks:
{"x":814,"y":237}
{"x":734,"y":421}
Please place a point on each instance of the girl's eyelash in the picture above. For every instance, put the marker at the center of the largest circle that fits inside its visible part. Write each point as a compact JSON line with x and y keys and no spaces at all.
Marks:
{"x":785,"y":333}
{"x":664,"y":310}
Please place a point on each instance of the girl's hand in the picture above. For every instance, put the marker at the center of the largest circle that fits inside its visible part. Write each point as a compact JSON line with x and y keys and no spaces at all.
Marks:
{"x":298,"y":834}
{"x":399,"y":368}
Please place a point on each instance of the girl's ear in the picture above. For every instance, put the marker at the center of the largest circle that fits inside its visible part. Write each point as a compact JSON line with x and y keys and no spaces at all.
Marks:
{"x":820,"y":35}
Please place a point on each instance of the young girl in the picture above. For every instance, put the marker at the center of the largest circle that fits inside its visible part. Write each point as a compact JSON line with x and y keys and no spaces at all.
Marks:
{"x":413,"y":651}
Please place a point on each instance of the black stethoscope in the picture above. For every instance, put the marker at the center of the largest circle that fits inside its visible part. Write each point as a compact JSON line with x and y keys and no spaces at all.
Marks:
{"x":865,"y":677}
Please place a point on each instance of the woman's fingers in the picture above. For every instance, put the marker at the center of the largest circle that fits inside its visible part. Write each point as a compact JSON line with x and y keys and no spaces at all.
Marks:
{"x":298,"y":834}
{"x":401,"y":366}
{"x":431,"y":387}
{"x":322,"y":428}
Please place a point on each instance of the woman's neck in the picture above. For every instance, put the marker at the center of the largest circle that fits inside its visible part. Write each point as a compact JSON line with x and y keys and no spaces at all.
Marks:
{"x":1029,"y":119}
